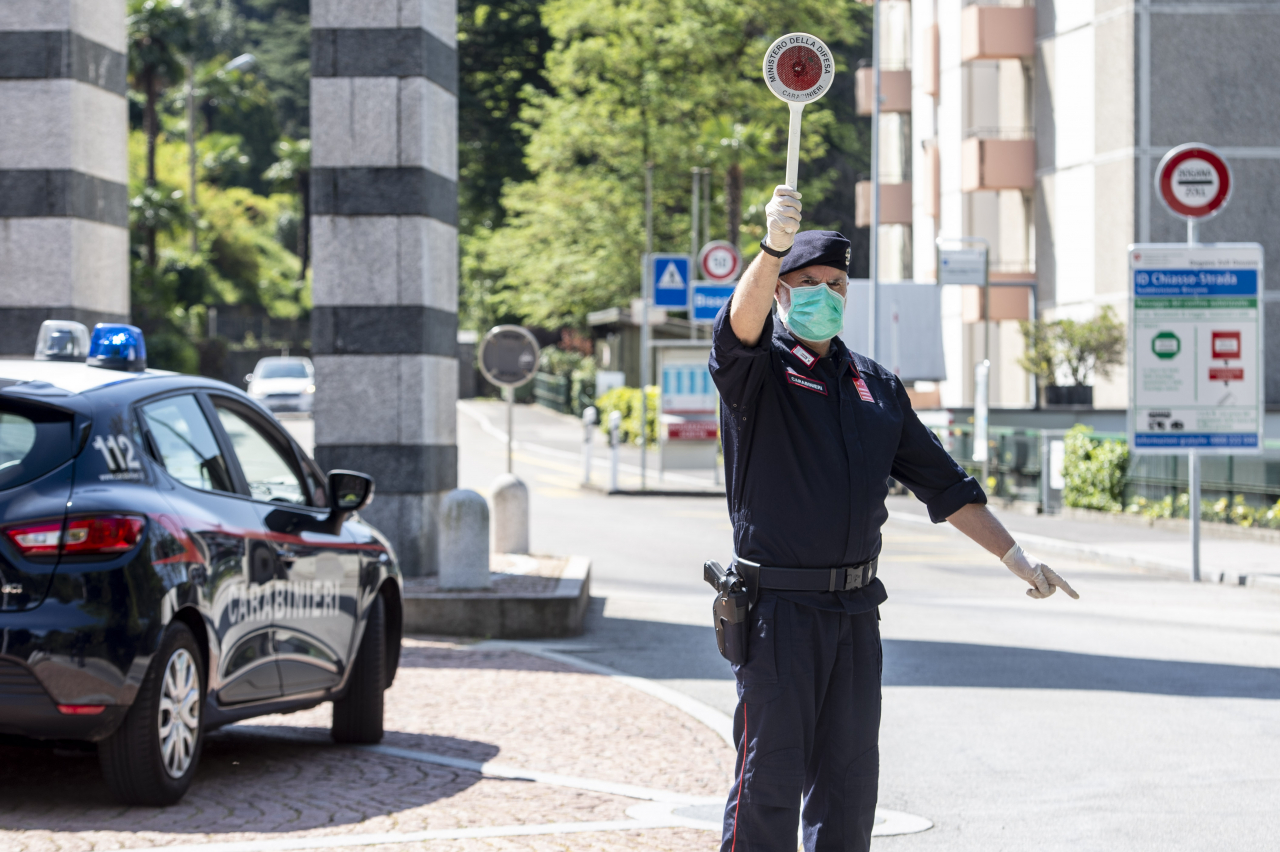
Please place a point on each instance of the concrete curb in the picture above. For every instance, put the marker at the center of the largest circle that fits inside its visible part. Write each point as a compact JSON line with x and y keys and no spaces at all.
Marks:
{"x":530,"y":616}
{"x":1214,"y":529}
{"x":1094,"y":553}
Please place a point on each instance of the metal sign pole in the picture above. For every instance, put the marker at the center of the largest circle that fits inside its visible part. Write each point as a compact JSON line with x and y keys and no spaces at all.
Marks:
{"x":646,"y":294}
{"x":508,"y":358}
{"x":1193,"y":468}
{"x":693,"y":242}
{"x":1193,"y":511}
{"x":873,"y":237}
{"x":511,"y":407}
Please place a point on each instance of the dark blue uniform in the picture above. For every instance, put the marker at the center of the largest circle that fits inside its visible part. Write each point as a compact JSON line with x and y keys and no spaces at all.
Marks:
{"x":808,"y":445}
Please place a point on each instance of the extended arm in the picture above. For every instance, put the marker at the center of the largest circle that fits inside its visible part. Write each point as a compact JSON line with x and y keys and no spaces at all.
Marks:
{"x":976,"y":521}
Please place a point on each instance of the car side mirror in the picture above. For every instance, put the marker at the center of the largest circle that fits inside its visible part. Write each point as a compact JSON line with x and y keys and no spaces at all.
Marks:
{"x":349,"y":491}
{"x":248,"y":378}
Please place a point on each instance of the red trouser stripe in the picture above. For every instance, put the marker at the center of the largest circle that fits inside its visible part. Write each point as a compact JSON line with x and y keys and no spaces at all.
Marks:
{"x":741,"y":781}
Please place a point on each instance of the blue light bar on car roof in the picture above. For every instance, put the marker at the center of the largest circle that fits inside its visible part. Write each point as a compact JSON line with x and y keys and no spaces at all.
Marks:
{"x":116,"y":346}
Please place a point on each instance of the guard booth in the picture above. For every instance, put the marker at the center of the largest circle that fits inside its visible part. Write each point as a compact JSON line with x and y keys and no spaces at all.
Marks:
{"x":689,"y":410}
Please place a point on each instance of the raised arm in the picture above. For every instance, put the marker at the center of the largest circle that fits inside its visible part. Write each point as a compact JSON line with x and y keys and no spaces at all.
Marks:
{"x":753,"y":297}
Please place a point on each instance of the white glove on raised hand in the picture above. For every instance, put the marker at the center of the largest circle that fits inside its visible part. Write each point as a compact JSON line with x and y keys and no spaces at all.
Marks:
{"x":782,"y":215}
{"x":1043,"y":579}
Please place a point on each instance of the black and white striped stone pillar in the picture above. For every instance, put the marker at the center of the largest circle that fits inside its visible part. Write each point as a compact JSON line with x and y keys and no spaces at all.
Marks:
{"x":384,"y":171}
{"x":64,"y":166}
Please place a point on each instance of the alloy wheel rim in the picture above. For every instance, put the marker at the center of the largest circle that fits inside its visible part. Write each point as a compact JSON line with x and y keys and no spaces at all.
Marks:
{"x":179,"y":713}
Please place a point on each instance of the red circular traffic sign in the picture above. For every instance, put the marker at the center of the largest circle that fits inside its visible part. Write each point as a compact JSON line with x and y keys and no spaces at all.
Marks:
{"x":1193,"y":181}
{"x":719,"y":261}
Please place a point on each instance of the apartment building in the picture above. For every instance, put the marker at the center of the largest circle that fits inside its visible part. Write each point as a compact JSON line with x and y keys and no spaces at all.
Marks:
{"x":1039,"y":127}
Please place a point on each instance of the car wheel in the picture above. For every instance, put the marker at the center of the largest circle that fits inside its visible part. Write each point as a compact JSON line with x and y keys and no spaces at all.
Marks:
{"x":357,"y":715}
{"x":152,"y":757}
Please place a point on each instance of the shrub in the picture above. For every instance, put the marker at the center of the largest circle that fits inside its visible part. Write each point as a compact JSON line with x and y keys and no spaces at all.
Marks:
{"x":627,"y":402}
{"x":1235,"y":511}
{"x":1094,"y":471}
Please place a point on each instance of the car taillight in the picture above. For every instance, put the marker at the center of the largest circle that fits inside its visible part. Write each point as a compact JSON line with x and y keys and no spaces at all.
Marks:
{"x":37,"y":539}
{"x":85,"y":535}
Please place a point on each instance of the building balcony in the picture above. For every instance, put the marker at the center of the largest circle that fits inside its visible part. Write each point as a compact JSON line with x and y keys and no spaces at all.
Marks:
{"x":997,"y":163}
{"x":895,"y":204}
{"x":928,"y":63}
{"x":931,"y":180}
{"x":895,"y":90}
{"x":997,"y":32}
{"x":1008,"y":302}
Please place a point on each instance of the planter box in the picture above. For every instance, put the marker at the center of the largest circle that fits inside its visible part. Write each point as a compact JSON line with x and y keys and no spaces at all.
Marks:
{"x":1068,"y":395}
{"x":518,"y":606}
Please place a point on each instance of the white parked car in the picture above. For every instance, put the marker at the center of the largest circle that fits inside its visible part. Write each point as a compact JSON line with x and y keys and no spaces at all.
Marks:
{"x":283,"y":383}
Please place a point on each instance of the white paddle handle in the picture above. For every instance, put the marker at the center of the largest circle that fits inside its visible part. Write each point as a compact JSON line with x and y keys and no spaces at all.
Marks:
{"x":793,"y":146}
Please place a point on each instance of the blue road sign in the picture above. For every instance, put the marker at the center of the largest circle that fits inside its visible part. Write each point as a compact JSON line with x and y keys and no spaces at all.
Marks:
{"x":708,"y":299}
{"x":670,"y":280}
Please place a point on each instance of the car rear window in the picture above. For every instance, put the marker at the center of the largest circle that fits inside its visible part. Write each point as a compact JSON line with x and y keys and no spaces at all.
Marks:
{"x":283,"y":370}
{"x":33,"y":441}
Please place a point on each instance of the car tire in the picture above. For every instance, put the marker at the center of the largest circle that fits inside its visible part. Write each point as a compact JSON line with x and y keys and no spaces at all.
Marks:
{"x":152,"y":757}
{"x":357,"y":715}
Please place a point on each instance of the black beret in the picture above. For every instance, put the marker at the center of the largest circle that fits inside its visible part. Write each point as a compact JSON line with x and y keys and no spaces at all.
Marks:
{"x":817,"y":248}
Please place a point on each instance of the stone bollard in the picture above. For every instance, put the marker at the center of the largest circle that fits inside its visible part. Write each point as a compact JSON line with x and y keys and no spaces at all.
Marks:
{"x":464,"y":541}
{"x":510,"y":515}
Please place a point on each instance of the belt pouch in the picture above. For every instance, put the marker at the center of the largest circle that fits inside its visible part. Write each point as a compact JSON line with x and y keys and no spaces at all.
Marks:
{"x":730,"y":614}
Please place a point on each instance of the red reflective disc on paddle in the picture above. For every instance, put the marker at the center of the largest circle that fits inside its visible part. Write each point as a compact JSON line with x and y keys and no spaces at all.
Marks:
{"x":799,"y":68}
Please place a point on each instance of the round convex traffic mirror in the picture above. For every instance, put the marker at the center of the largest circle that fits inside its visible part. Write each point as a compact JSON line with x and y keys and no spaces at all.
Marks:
{"x":508,"y":356}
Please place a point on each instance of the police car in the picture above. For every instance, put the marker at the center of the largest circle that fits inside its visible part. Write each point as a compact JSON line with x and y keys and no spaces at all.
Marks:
{"x":171,"y":561}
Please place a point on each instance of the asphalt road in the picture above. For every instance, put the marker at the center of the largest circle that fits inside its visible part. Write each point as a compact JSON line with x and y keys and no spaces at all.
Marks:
{"x":1145,"y":716}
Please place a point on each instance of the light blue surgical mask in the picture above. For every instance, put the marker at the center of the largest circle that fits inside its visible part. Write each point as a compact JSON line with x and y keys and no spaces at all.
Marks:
{"x":816,"y":313}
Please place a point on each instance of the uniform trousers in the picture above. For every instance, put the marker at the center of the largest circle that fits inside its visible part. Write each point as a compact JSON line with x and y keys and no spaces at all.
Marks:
{"x":807,"y":728}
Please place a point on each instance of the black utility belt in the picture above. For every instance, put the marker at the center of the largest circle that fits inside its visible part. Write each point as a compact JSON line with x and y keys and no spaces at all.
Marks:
{"x":818,"y":579}
{"x":738,"y":588}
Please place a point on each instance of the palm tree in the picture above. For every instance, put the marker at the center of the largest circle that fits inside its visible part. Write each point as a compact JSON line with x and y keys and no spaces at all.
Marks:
{"x":159,"y":32}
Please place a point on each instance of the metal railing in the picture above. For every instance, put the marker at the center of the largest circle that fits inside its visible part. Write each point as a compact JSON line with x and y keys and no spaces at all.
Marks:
{"x":1017,"y":456}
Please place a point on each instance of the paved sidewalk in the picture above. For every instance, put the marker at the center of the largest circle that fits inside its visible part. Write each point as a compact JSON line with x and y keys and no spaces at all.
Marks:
{"x":1228,"y":560}
{"x":546,"y":432}
{"x":278,"y":782}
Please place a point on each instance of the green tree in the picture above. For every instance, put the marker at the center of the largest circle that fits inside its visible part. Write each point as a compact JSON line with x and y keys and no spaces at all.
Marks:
{"x":1081,"y":348}
{"x":501,"y":49}
{"x":159,"y":31}
{"x":1092,"y":346}
{"x":635,"y":82}
{"x":292,"y":171}
{"x":1041,"y":356}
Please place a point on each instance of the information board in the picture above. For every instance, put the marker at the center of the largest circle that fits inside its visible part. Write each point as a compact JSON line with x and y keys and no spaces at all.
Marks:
{"x":687,"y":389}
{"x":1196,"y":348}
{"x":962,"y":266}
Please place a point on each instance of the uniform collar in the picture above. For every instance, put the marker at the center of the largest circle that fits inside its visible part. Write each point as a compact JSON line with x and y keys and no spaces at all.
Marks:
{"x":802,"y":353}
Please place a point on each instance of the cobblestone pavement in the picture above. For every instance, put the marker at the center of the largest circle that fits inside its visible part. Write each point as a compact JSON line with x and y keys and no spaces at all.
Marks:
{"x":279,"y":777}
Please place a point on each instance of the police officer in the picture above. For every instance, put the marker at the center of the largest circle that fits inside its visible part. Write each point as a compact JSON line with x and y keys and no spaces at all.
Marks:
{"x":812,"y":431}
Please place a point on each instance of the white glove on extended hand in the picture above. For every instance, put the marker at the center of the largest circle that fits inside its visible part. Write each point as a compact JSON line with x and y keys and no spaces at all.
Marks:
{"x":782,"y":214}
{"x":1043,"y":579}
